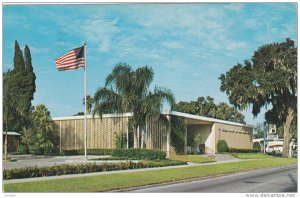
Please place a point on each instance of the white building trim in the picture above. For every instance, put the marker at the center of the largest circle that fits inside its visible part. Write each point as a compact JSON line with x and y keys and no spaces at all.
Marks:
{"x":11,"y":133}
{"x":174,"y":113}
{"x":202,"y":118}
{"x":91,"y":116}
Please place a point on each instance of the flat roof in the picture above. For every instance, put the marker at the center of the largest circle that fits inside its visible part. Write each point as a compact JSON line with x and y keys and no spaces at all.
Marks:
{"x":202,"y":118}
{"x":79,"y":117}
{"x":174,"y":113}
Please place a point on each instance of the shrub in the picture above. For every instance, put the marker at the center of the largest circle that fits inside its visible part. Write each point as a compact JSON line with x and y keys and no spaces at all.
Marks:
{"x":97,"y":151}
{"x":178,"y":127}
{"x":243,"y":150}
{"x":201,"y":148}
{"x":29,"y":172}
{"x":120,"y":141}
{"x":256,"y":145}
{"x":133,"y":153}
{"x":89,"y":152}
{"x":222,"y":146}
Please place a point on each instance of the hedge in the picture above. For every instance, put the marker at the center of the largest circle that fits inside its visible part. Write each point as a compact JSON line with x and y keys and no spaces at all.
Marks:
{"x":133,"y":153}
{"x":243,"y":150}
{"x":89,"y":152}
{"x":30,"y":172}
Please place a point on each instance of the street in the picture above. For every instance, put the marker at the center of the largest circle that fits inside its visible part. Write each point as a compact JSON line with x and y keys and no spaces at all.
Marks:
{"x":281,"y":179}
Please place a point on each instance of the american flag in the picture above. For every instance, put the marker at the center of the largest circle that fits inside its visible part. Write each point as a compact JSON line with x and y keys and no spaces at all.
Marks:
{"x":71,"y":60}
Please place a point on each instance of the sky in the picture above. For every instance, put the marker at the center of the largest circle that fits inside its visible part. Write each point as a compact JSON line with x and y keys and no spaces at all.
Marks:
{"x":188,"y":45}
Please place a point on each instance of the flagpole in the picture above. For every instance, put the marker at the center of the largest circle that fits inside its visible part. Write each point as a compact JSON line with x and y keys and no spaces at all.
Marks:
{"x":85,"y":134}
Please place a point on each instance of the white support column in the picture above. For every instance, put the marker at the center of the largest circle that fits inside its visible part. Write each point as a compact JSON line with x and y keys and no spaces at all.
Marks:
{"x":138,"y":137}
{"x":92,"y":138}
{"x":75,"y":129}
{"x":146,"y":134}
{"x":127,"y":133}
{"x":185,"y":137}
{"x":168,"y":139}
{"x":60,"y":148}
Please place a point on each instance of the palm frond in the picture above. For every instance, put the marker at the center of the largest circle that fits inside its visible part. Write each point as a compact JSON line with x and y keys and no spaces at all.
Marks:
{"x":107,"y":101}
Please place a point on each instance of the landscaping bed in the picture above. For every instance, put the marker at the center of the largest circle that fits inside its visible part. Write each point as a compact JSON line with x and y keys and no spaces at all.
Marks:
{"x":134,"y":179}
{"x":30,"y":172}
{"x":131,"y":153}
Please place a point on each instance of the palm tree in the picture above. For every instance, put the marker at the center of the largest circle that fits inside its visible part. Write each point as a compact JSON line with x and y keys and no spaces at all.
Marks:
{"x":127,"y":90}
{"x":7,"y":108}
{"x":89,"y":103}
{"x":10,"y":106}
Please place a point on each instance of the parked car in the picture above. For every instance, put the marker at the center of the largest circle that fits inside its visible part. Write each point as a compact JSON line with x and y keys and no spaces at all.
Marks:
{"x":275,"y":148}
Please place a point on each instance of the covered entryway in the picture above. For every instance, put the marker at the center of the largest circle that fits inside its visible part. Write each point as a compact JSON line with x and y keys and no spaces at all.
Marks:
{"x":208,"y":131}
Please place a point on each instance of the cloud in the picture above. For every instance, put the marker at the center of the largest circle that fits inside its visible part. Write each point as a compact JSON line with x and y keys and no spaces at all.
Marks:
{"x":100,"y":31}
{"x":172,"y":44}
{"x":39,"y":50}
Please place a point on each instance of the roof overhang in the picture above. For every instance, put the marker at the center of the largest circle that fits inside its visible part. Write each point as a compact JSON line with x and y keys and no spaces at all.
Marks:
{"x":202,"y":120}
{"x":191,"y":119}
{"x":11,"y":133}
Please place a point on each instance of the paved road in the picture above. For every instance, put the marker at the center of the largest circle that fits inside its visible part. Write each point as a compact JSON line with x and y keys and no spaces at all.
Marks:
{"x":282,"y":179}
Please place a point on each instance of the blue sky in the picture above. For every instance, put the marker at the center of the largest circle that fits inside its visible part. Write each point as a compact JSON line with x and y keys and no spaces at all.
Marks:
{"x":188,"y":45}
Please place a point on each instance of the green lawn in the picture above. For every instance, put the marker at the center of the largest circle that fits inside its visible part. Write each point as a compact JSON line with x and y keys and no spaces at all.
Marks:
{"x":133,"y":179}
{"x":252,"y":156}
{"x":192,"y":158}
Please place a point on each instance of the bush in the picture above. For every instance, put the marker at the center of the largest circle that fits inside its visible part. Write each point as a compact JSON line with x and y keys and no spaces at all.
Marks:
{"x":70,"y":152}
{"x":29,"y":172}
{"x":177,"y":133}
{"x":89,"y":152}
{"x":243,"y":150}
{"x":256,"y":145}
{"x":133,"y":153}
{"x":201,"y":148}
{"x":222,"y":146}
{"x":97,"y":151}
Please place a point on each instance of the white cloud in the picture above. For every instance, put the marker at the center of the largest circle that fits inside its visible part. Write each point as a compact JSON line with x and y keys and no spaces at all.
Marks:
{"x":38,"y":50}
{"x":172,"y":44}
{"x":100,"y":31}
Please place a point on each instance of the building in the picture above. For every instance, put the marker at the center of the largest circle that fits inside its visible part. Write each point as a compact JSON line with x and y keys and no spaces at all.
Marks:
{"x":13,"y":141}
{"x":103,"y":133}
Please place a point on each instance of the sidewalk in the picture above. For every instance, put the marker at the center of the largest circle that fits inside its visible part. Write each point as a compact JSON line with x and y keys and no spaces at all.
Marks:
{"x":112,"y":172}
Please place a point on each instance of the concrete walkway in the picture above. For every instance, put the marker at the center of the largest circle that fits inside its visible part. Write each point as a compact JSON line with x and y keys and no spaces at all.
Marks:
{"x":224,"y":157}
{"x":112,"y":172}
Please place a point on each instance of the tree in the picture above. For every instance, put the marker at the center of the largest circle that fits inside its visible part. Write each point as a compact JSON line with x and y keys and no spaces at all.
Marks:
{"x":270,"y":77}
{"x":9,"y":103}
{"x":259,"y":129}
{"x":30,"y":77}
{"x":45,"y":136}
{"x":22,"y":88}
{"x":19,"y":64}
{"x":89,"y":104}
{"x":79,"y":113}
{"x":207,"y":107}
{"x":127,"y":90}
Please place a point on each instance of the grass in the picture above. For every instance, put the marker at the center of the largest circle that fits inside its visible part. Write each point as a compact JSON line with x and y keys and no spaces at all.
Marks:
{"x":252,"y":156}
{"x":134,"y":179}
{"x":199,"y":159}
